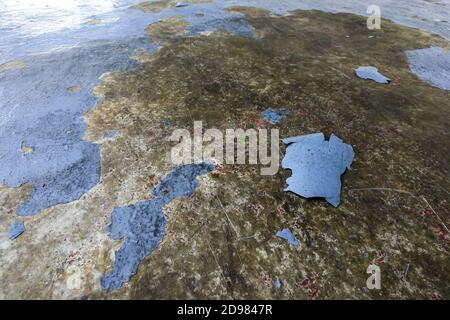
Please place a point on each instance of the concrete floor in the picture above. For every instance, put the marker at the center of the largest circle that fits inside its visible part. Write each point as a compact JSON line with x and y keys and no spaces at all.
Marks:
{"x":89,"y":94}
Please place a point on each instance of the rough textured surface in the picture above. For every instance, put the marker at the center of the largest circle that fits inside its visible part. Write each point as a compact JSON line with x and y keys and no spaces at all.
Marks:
{"x":142,"y":225}
{"x":432,"y":65}
{"x":221,"y":242}
{"x":371,"y":73}
{"x":317,"y":166}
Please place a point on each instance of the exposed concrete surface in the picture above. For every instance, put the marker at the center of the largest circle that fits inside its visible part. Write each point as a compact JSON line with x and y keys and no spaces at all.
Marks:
{"x":142,"y":225}
{"x":274,"y":116}
{"x":317,"y":166}
{"x":221,"y":241}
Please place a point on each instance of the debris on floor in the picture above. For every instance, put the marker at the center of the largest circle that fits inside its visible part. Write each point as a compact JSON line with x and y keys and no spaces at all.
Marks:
{"x":287,"y":235}
{"x":16,"y":229}
{"x":142,"y":225}
{"x":274,"y":116}
{"x":431,"y":65}
{"x":13,"y":65}
{"x":277,"y":284}
{"x":371,"y":73}
{"x":317,"y":166}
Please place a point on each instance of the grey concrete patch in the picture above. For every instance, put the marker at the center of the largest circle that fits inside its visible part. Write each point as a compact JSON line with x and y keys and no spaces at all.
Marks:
{"x":142,"y":225}
{"x":317,"y":166}
{"x":431,"y":65}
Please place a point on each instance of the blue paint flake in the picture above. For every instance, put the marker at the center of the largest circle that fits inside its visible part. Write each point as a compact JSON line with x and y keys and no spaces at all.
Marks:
{"x":16,"y":229}
{"x":274,"y":116}
{"x":287,"y":235}
{"x":317,"y":166}
{"x":39,"y":111}
{"x":371,"y":73}
{"x":142,"y":225}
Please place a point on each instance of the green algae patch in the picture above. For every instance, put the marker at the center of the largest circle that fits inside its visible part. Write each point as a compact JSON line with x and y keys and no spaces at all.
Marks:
{"x":167,"y":29}
{"x":74,"y":88}
{"x":221,"y":242}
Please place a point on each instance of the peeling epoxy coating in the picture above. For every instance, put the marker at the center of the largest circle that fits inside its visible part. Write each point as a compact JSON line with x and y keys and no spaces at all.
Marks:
{"x":220,"y":242}
{"x":287,"y":235}
{"x":432,"y":65}
{"x":16,"y":229}
{"x":142,"y":225}
{"x":274,"y":116}
{"x":317,"y":166}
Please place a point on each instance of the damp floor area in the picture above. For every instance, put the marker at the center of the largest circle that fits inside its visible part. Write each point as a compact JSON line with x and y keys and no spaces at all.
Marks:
{"x":93,"y":207}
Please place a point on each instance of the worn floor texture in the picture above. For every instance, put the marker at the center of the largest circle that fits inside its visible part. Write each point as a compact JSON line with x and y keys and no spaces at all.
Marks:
{"x":221,"y":242}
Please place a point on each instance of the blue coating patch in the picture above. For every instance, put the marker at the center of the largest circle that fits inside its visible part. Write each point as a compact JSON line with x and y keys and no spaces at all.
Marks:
{"x":317,"y":166}
{"x":277,"y":284}
{"x":142,"y":225}
{"x":371,"y":73}
{"x":431,"y":65}
{"x":274,"y":116}
{"x":16,"y":229}
{"x":287,"y":235}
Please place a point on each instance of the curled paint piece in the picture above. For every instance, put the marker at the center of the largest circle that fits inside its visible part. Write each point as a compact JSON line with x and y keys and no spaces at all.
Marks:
{"x":274,"y":116}
{"x":371,"y":73}
{"x":317,"y":166}
{"x":277,"y":284}
{"x":287,"y":235}
{"x":16,"y":229}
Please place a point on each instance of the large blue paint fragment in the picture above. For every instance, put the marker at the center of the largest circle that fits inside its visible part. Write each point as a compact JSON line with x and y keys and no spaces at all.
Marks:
{"x":274,"y":116}
{"x":317,"y":166}
{"x":371,"y":73}
{"x":431,"y":65}
{"x":142,"y":225}
{"x":287,"y":235}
